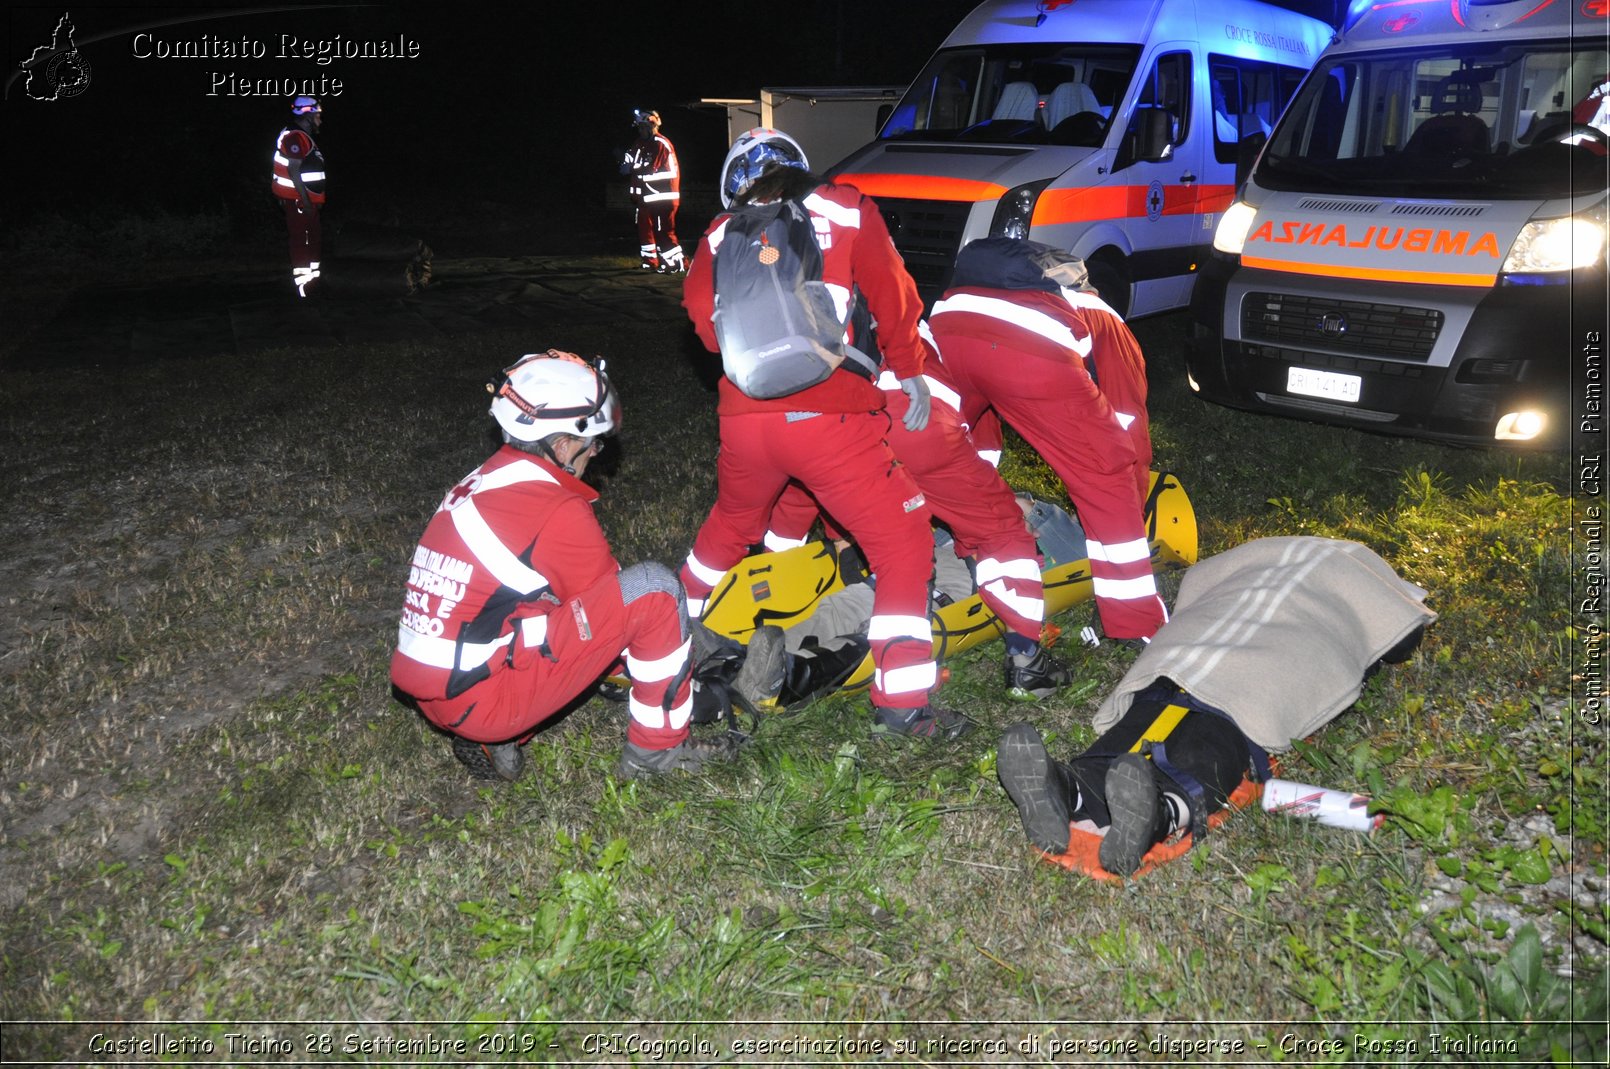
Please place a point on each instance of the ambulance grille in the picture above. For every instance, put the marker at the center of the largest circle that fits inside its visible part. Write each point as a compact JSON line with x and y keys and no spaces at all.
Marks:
{"x":928,"y":234}
{"x":1314,"y":204}
{"x":1361,"y":327}
{"x":1465,"y":210}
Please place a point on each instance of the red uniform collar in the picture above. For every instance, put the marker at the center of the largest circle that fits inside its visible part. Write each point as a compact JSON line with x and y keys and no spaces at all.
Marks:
{"x":566,"y":481}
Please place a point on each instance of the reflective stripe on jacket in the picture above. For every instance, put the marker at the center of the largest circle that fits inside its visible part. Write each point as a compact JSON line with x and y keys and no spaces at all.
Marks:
{"x":312,"y":166}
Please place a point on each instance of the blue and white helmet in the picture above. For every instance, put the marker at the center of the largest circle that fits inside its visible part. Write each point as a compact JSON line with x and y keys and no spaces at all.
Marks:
{"x":305,"y":105}
{"x":750,"y":156}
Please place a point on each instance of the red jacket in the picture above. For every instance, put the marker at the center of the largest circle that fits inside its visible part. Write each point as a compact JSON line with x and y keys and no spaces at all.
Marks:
{"x":512,"y":541}
{"x":1070,"y":327}
{"x":656,"y":177}
{"x":856,"y":252}
{"x":296,"y":143}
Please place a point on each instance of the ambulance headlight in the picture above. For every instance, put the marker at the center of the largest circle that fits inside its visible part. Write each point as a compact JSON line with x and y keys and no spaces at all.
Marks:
{"x":1522,"y":426}
{"x":1231,"y":235}
{"x":1551,"y":245}
{"x":1015,"y":213}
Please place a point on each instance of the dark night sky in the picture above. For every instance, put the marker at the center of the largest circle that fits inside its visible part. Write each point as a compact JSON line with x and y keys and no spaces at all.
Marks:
{"x":501,"y":101}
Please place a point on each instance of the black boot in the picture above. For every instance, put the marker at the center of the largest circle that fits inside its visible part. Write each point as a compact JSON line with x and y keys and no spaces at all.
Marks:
{"x":1139,"y":817}
{"x":1043,"y":790}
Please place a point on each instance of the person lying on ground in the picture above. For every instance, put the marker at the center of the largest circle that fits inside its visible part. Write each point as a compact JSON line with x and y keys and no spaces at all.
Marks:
{"x":1215,"y":692}
{"x":787,"y":668}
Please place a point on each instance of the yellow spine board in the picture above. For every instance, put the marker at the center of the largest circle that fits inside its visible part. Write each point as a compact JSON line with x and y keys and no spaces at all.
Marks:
{"x":780,"y":588}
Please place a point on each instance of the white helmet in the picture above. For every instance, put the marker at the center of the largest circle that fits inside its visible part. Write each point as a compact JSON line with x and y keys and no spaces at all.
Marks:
{"x":305,"y":105}
{"x":750,"y":155}
{"x":554,"y":393}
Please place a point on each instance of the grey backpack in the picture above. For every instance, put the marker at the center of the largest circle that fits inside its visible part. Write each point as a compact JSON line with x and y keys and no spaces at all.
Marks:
{"x":774,"y":317}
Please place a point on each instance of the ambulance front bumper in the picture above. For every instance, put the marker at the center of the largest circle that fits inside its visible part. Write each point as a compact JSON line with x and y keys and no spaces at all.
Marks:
{"x":1444,"y":363}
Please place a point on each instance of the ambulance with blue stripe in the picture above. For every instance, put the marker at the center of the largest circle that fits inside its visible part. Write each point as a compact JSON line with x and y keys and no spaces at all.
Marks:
{"x":1420,"y":248}
{"x":1111,"y":128}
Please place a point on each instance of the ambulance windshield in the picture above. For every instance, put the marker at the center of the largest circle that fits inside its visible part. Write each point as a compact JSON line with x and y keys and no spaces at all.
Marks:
{"x":1042,"y":94}
{"x":1517,"y":120}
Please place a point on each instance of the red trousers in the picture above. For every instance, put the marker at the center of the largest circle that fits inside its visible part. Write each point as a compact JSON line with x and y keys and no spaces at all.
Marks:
{"x":306,"y":239}
{"x":656,"y":235}
{"x":1060,"y":412}
{"x":967,"y":494}
{"x":586,"y":636}
{"x":843,"y":459}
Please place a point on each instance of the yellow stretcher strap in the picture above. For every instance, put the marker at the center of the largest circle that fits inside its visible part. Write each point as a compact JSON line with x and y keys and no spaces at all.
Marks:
{"x":1162,"y":727}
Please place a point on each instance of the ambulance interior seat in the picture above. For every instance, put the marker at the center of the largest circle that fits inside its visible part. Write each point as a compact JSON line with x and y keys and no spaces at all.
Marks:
{"x":1073,"y":116}
{"x":1453,"y":129}
{"x":1019,"y":101}
{"x":1068,"y":100}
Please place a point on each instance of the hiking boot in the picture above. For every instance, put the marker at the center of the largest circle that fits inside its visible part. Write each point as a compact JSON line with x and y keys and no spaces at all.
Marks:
{"x":925,"y":722}
{"x":485,"y":760}
{"x":1133,"y":807}
{"x":1032,"y":676}
{"x":1037,"y":786}
{"x":690,"y":755}
{"x":760,"y":680}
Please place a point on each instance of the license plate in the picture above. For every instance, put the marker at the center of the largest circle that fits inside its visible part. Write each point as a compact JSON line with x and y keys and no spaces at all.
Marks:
{"x":1326,"y":384}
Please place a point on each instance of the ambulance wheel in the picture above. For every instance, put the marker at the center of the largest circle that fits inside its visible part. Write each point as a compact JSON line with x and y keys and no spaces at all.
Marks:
{"x":1111,"y":284}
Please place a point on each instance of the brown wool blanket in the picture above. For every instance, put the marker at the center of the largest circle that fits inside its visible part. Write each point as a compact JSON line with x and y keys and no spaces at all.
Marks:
{"x":1278,"y":633}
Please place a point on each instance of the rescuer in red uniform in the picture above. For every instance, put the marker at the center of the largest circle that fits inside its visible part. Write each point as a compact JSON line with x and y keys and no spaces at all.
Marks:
{"x":830,"y":437}
{"x":967,"y":494}
{"x":298,"y":183}
{"x":656,"y":192}
{"x":1035,"y":356}
{"x":515,"y":605}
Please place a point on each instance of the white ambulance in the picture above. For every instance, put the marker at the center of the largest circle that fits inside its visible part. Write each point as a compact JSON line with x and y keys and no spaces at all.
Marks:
{"x":1420,"y":249}
{"x":1110,"y":128}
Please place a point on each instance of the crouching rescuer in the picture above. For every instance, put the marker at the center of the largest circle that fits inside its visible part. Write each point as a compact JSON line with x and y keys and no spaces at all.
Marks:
{"x":516,"y":607}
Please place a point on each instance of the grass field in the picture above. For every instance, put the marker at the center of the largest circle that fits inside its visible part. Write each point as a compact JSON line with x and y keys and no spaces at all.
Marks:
{"x":215,"y":812}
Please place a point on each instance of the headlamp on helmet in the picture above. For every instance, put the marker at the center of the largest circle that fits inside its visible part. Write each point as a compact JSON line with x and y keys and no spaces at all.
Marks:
{"x":554,"y":392}
{"x":752,"y":155}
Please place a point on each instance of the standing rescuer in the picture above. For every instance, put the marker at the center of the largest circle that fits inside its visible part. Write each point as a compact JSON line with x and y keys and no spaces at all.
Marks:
{"x":656,"y":191}
{"x":298,"y":183}
{"x":1022,"y":333}
{"x":831,"y":436}
{"x":515,"y":605}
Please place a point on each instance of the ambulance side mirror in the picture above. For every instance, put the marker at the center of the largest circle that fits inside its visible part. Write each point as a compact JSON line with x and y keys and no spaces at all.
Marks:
{"x":1149,"y":137}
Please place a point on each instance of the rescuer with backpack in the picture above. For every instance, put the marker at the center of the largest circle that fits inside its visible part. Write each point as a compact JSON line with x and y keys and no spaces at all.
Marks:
{"x":966,"y":493}
{"x":515,"y":606}
{"x":1022,"y":333}
{"x":298,"y":185}
{"x":808,"y":407}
